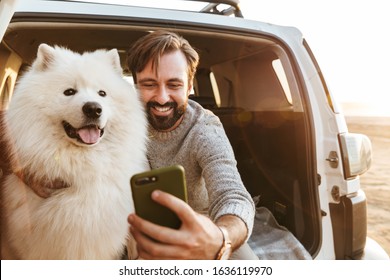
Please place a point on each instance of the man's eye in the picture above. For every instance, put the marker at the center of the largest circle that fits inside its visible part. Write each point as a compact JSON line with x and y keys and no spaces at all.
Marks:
{"x":148,"y":85}
{"x":175,"y":86}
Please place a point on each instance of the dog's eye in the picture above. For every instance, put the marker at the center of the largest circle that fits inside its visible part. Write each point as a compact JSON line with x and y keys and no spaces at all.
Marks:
{"x":102,"y":93}
{"x":70,"y":91}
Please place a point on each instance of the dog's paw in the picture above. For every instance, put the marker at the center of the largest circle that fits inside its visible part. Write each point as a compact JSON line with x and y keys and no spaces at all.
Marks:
{"x":132,"y":252}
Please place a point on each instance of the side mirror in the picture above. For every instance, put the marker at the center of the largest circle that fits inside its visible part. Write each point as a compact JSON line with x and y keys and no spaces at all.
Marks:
{"x":356,"y":153}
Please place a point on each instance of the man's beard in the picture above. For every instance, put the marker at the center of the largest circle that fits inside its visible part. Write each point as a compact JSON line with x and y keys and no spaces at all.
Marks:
{"x":165,"y":123}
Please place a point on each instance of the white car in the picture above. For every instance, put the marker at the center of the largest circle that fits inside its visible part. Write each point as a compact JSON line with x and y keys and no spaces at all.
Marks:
{"x":290,"y":140}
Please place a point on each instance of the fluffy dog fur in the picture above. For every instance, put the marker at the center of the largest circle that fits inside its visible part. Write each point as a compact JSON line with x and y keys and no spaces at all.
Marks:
{"x":73,"y":117}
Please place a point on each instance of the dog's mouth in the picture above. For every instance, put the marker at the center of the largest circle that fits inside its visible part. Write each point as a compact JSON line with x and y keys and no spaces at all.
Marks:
{"x":89,"y":134}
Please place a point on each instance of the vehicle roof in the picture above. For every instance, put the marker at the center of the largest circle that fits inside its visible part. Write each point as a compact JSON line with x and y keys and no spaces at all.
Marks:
{"x":220,"y":7}
{"x":73,"y":24}
{"x":118,"y":8}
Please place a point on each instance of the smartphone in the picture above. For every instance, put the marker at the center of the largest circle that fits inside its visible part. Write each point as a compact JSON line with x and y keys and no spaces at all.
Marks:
{"x":168,"y":179}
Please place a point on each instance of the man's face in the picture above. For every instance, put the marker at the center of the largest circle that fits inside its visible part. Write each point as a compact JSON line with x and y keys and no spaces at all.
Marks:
{"x":165,"y":90}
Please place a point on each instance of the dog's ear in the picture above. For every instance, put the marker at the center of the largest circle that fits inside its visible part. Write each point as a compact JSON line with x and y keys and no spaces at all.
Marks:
{"x":115,"y":60}
{"x":45,"y":57}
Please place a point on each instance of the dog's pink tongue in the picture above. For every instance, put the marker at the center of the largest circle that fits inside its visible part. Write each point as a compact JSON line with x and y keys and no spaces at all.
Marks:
{"x":89,"y":135}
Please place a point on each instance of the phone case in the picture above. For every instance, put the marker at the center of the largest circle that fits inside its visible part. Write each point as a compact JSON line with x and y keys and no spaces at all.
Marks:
{"x":168,"y":179}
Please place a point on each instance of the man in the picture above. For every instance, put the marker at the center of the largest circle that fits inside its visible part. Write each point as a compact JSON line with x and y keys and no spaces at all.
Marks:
{"x":163,"y":66}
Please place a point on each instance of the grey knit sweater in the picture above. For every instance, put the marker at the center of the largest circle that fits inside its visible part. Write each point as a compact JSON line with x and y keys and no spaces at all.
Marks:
{"x":201,"y":146}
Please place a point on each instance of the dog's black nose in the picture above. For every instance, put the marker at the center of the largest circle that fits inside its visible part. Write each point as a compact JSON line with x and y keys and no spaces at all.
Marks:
{"x":92,"y":110}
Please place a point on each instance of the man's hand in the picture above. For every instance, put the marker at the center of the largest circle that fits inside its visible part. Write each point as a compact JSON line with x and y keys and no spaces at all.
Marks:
{"x":42,"y":187}
{"x":197,"y":238}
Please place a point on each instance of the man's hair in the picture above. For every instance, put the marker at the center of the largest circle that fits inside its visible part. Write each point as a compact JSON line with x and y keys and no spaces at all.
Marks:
{"x":156,"y":44}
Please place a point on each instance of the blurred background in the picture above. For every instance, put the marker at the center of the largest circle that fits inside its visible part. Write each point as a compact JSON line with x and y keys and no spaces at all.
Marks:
{"x":351,"y":42}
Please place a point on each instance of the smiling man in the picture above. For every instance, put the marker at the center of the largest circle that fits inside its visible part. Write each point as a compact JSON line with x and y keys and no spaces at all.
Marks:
{"x":165,"y":92}
{"x":163,"y":66}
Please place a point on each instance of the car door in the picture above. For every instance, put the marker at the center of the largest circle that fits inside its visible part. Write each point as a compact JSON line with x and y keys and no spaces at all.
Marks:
{"x":7,"y":8}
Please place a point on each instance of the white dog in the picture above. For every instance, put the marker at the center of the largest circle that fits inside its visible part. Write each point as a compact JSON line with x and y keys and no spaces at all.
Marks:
{"x":73,"y":117}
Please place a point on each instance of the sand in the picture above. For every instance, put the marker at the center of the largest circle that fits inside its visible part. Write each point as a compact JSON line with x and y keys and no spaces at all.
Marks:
{"x":376,"y":181}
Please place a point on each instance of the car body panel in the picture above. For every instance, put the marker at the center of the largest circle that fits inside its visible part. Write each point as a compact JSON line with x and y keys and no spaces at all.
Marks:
{"x":322,"y":121}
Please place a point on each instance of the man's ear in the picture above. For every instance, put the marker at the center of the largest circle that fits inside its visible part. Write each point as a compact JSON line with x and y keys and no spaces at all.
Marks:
{"x":190,"y":88}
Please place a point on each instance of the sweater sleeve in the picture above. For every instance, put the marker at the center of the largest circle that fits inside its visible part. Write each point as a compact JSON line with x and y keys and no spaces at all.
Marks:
{"x":227,"y":194}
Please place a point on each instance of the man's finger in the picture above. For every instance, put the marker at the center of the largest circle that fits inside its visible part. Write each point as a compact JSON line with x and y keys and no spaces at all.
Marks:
{"x":182,"y":209}
{"x":148,"y":248}
{"x":156,"y":232}
{"x":58,"y":184}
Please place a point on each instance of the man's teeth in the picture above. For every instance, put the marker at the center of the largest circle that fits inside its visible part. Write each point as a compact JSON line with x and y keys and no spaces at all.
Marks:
{"x":162,"y":109}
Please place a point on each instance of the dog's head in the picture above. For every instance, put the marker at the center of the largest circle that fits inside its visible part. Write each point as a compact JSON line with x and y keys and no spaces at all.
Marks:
{"x":77,"y":94}
{"x":73,"y":108}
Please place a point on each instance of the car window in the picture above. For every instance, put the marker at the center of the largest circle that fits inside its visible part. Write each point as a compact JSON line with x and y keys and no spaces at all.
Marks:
{"x":256,"y":82}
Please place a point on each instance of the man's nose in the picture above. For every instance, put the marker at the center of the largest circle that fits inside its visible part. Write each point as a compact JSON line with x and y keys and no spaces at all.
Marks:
{"x":162,"y":96}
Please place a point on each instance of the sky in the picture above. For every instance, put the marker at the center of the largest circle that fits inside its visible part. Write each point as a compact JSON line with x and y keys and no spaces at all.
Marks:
{"x":351,"y":42}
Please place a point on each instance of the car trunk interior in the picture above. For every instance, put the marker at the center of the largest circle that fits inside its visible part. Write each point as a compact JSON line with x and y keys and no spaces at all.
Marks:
{"x":237,"y":80}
